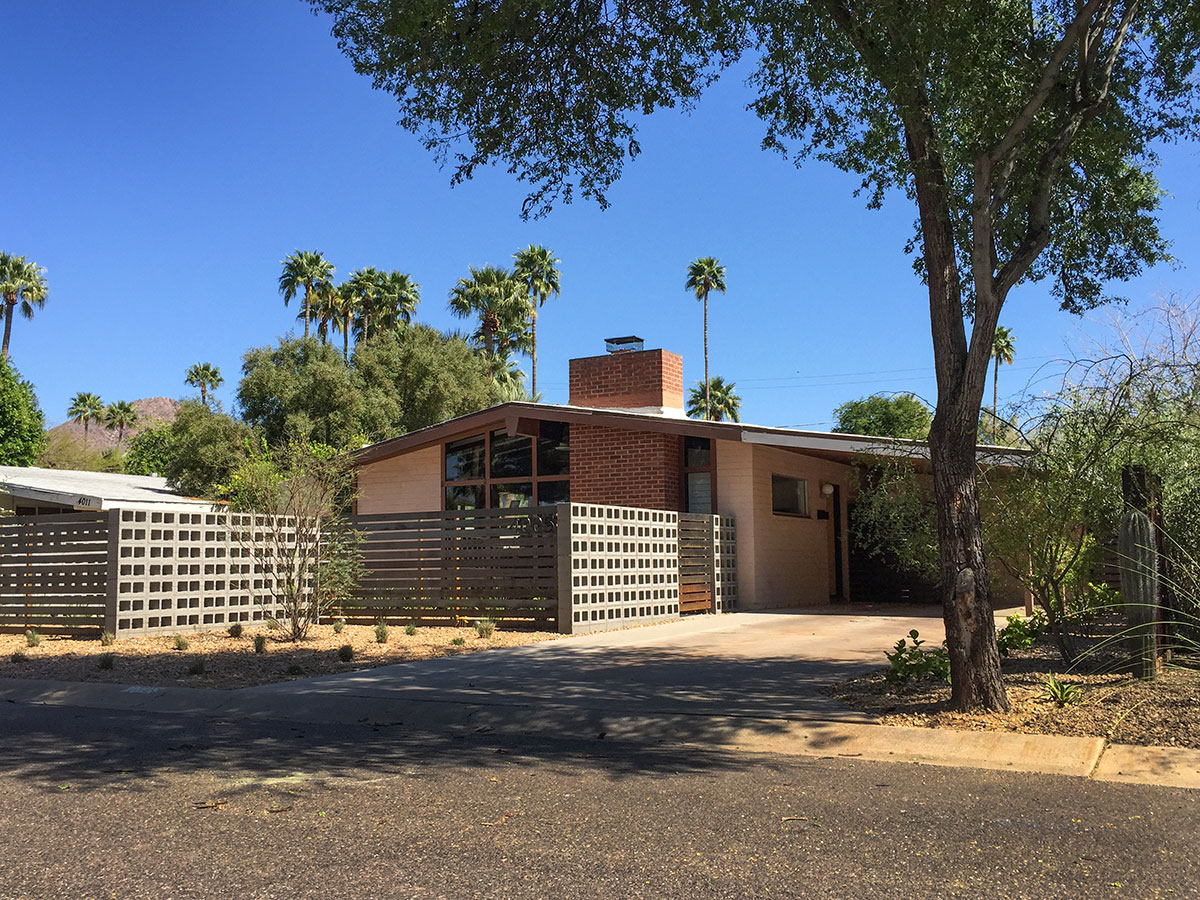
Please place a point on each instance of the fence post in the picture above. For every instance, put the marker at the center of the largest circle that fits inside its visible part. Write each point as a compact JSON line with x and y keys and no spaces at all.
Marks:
{"x":563,"y":518}
{"x":112,"y":570}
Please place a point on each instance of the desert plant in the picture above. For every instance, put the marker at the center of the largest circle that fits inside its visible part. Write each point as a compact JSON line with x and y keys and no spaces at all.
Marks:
{"x":382,"y":632}
{"x":1139,"y":589}
{"x":458,"y":642}
{"x":410,"y":629}
{"x":260,"y":643}
{"x":338,"y":625}
{"x":32,"y":638}
{"x":18,"y":657}
{"x":1020,"y":633}
{"x":235,"y":630}
{"x":273,"y":624}
{"x":345,"y":653}
{"x":107,"y":638}
{"x":484,"y":628}
{"x":1063,"y":693}
{"x":909,"y":661}
{"x":106,"y":660}
{"x":197,"y":667}
{"x":179,"y":642}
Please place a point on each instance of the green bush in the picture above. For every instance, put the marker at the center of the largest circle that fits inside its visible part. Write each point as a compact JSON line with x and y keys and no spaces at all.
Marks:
{"x":179,"y":642}
{"x":260,"y":643}
{"x":1020,"y":633}
{"x":345,"y":653}
{"x":909,"y":661}
{"x":485,"y":628}
{"x":382,"y":632}
{"x":458,"y":642}
{"x":197,"y":667}
{"x":339,"y":625}
{"x":410,"y":629}
{"x":107,"y":638}
{"x":106,"y":660}
{"x":235,"y":630}
{"x":1063,"y":693}
{"x":32,"y":638}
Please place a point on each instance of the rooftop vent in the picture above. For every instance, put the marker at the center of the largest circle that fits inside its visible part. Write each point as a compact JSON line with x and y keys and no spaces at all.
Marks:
{"x":623,"y":344}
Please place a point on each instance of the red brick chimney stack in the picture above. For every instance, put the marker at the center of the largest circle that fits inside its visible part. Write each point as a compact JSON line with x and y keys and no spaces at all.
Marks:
{"x":642,"y":380}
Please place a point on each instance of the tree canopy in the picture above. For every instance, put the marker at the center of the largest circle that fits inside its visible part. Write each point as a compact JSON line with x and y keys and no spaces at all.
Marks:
{"x":22,"y":424}
{"x":899,"y":416}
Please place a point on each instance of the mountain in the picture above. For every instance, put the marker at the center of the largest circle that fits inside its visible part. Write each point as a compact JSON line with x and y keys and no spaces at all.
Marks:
{"x":149,"y":410}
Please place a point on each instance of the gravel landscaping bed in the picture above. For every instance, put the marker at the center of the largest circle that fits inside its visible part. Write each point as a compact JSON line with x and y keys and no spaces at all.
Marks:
{"x":230,"y":662}
{"x":1112,"y":704}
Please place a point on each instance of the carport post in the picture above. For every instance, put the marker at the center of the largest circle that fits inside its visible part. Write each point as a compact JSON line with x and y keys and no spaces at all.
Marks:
{"x":563,"y":524}
{"x":112,"y":571}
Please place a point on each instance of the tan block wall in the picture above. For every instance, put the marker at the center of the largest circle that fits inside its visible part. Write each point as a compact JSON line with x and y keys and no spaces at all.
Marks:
{"x":410,"y":482}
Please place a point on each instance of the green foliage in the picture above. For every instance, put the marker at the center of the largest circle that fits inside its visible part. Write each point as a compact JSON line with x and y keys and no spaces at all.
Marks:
{"x":339,"y":625}
{"x":898,"y":416}
{"x":908,"y":662}
{"x":106,"y":660}
{"x":22,"y":424}
{"x":382,"y":632}
{"x":235,"y":630}
{"x":497,"y":299}
{"x":416,"y":378}
{"x":1020,"y":633}
{"x":120,"y":415}
{"x":107,"y":639}
{"x":458,"y":642}
{"x":345,"y":653}
{"x":18,"y":657}
{"x":203,"y":449}
{"x":149,"y":452}
{"x":205,"y":377}
{"x":725,"y":404}
{"x":64,"y":451}
{"x":485,"y":628}
{"x":23,"y":288}
{"x":198,"y":666}
{"x":32,"y":638}
{"x":410,"y":629}
{"x":894,"y":518}
{"x":301,"y":390}
{"x":260,"y":643}
{"x":1063,"y":693}
{"x":179,"y":642}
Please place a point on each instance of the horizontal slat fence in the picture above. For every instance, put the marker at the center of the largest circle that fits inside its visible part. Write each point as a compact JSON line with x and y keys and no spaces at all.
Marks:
{"x":54,"y":572}
{"x":433,"y":566}
{"x":697,"y":566}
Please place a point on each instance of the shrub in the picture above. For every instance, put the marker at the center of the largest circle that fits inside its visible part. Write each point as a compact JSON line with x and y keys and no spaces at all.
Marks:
{"x":345,"y":653}
{"x":295,"y":669}
{"x":381,"y":632}
{"x":907,"y":662}
{"x":19,"y":657}
{"x":338,"y":625}
{"x":410,"y":629}
{"x":458,"y":642}
{"x":107,"y":638}
{"x":260,"y":643}
{"x":179,"y":642}
{"x":273,"y":624}
{"x":484,"y":628}
{"x":1020,"y":633}
{"x":106,"y":660}
{"x":197,"y":667}
{"x":235,"y":630}
{"x":1063,"y":693}
{"x":32,"y":638}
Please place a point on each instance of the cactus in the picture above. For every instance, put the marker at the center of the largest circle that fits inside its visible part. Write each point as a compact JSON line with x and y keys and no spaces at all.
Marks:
{"x":1139,"y":589}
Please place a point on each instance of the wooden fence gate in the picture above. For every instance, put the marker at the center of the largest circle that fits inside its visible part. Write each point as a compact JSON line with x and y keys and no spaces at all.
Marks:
{"x":697,"y":566}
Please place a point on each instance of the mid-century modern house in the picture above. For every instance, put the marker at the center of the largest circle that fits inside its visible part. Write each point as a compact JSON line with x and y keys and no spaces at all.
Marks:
{"x":624,"y":440}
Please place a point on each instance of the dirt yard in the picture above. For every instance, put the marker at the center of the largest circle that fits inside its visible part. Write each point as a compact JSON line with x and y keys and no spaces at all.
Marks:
{"x":1111,"y":704}
{"x":216,"y":660}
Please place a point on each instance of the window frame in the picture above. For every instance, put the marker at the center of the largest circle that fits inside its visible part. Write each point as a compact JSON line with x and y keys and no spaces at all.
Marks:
{"x":487,"y":481}
{"x":807,"y":514}
{"x":685,"y":470}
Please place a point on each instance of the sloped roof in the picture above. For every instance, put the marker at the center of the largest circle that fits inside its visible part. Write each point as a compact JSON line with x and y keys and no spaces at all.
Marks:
{"x":89,"y":490}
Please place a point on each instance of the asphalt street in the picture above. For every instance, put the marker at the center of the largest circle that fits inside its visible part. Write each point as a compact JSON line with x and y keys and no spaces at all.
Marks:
{"x":139,"y":804}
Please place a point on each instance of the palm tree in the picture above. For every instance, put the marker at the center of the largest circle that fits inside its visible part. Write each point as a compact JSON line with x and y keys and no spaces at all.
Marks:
{"x":1003,"y":348}
{"x":722,"y":403}
{"x":537,"y":269}
{"x":498,"y":299}
{"x":204,"y":376}
{"x":366,"y":288}
{"x":86,"y":408}
{"x":120,"y":415}
{"x":341,"y":306}
{"x":24,"y":282}
{"x":398,"y":299}
{"x":308,"y":270}
{"x":704,"y":275}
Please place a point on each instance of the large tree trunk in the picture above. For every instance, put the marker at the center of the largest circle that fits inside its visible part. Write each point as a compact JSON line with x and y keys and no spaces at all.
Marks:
{"x":307,"y":309}
{"x":9,"y":306}
{"x":533,"y":354}
{"x":707,"y":386}
{"x":961,"y":375}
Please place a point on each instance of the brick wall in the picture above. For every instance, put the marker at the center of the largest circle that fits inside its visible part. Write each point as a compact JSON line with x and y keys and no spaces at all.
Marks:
{"x":628,"y":380}
{"x":625,"y":468}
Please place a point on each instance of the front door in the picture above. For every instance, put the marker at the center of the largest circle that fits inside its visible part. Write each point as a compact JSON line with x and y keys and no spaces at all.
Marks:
{"x":835,"y":522}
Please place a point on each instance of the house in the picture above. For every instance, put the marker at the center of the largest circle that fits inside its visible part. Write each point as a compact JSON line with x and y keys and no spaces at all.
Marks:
{"x":623,"y":439}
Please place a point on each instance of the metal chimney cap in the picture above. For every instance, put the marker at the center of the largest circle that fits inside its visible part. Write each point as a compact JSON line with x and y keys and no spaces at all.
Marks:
{"x":622,"y":344}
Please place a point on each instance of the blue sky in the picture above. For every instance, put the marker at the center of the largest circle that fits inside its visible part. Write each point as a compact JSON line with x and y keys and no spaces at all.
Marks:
{"x":161,"y":159}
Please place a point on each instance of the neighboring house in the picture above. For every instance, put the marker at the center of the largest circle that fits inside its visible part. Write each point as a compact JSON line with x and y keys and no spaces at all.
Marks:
{"x":624,"y":440}
{"x":30,"y":491}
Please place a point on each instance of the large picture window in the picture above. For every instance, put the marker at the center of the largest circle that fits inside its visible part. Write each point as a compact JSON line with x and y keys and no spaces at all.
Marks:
{"x":789,"y":496}
{"x":498,"y":470}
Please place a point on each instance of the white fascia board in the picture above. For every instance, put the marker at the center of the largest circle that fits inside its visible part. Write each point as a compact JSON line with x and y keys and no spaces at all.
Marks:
{"x":59,"y":498}
{"x":841,"y":445}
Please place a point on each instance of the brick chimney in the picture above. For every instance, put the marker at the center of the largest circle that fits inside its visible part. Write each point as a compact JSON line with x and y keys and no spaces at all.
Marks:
{"x":635,"y":380}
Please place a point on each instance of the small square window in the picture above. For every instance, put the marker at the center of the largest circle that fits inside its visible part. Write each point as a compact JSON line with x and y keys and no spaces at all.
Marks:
{"x":789,"y":496}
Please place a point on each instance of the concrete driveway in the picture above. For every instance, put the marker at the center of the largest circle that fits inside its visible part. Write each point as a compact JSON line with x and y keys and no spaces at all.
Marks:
{"x":761,"y":665}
